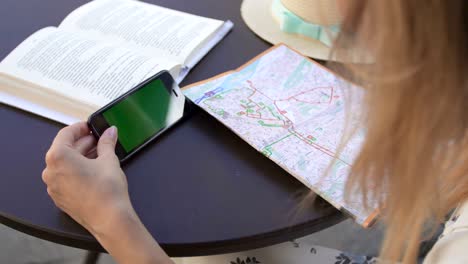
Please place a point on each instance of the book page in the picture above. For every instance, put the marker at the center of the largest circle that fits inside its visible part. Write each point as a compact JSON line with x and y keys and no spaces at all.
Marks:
{"x":294,"y":112}
{"x":162,"y":32}
{"x":37,"y":109}
{"x":83,"y":69}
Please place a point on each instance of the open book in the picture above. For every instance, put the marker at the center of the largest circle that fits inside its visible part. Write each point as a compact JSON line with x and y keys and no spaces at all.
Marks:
{"x":98,"y":52}
{"x":295,"y":112}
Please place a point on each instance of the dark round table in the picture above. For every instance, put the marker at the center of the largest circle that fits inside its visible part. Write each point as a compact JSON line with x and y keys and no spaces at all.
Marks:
{"x":199,"y":189}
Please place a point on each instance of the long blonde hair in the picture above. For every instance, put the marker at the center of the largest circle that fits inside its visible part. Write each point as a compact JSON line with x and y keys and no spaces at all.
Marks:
{"x":415,"y":155}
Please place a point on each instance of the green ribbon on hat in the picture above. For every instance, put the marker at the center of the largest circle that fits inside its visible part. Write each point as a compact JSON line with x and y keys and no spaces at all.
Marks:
{"x":292,"y":23}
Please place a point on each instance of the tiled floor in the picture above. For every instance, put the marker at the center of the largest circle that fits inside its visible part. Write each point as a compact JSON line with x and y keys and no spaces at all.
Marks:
{"x":18,"y":248}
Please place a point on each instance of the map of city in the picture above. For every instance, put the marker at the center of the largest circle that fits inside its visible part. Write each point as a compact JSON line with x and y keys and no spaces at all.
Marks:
{"x":293,"y":111}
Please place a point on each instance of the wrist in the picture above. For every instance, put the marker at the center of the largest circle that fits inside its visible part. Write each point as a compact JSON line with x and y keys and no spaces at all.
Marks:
{"x":114,"y":221}
{"x":125,"y":237}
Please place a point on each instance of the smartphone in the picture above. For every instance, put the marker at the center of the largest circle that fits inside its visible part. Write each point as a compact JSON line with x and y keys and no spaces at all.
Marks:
{"x":141,"y":114}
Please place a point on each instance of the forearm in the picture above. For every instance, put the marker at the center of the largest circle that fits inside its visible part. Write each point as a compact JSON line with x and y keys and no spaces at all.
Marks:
{"x":94,"y":192}
{"x":128,"y":241}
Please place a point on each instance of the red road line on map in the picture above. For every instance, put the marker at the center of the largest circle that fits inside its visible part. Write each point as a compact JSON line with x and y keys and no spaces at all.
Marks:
{"x":301,"y":137}
{"x":307,"y":102}
{"x":250,"y":99}
{"x":261,"y":118}
{"x":319,"y":147}
{"x":307,"y":91}
{"x":291,"y":97}
{"x":314,"y":144}
{"x":256,"y":90}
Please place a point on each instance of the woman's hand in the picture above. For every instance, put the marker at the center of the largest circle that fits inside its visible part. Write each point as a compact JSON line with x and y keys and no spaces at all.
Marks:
{"x":88,"y":184}
{"x":91,"y":189}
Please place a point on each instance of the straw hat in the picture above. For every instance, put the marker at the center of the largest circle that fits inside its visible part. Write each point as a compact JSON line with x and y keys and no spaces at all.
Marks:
{"x":305,"y":25}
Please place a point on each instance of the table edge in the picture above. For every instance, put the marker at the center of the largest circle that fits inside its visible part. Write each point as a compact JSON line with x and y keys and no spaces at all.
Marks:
{"x":183,"y":249}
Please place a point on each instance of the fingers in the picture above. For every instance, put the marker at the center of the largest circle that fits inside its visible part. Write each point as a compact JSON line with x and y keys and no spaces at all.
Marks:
{"x":92,"y":154}
{"x":106,"y":144}
{"x":56,"y":155}
{"x":85,"y":144}
{"x":68,"y":135}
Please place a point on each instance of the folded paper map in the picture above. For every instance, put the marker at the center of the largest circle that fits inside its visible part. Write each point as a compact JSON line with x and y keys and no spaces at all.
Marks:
{"x":293,"y":111}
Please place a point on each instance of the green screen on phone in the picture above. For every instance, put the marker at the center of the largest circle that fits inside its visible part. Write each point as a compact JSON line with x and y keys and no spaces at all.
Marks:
{"x":144,"y":113}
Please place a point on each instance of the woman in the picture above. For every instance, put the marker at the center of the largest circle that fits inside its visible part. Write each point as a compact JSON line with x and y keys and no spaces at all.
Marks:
{"x":415,"y":155}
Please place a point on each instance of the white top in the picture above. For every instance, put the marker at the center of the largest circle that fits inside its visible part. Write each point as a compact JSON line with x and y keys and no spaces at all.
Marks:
{"x":452,"y":246}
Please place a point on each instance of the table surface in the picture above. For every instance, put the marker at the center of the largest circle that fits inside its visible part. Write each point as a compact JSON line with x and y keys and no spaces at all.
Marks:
{"x":199,"y":189}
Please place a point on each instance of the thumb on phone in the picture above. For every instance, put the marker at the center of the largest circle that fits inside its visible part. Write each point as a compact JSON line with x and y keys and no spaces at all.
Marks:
{"x":106,"y":143}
